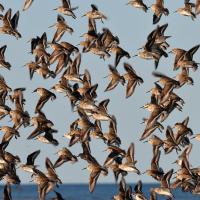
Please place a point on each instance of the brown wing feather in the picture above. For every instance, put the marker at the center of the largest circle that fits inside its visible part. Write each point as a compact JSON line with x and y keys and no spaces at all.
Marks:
{"x":93,"y":179}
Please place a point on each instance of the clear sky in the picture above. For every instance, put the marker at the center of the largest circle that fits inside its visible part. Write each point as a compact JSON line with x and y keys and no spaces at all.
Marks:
{"x":132,"y":27}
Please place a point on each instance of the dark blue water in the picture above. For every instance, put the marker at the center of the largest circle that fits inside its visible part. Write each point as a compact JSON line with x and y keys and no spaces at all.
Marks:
{"x":80,"y":192}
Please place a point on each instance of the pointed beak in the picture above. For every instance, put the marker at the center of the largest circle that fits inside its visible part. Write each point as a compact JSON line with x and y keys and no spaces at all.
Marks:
{"x":29,"y":41}
{"x":168,"y":36}
{"x":193,"y":137}
{"x":106,"y":76}
{"x":34,"y":90}
{"x":160,"y":130}
{"x":51,"y":26}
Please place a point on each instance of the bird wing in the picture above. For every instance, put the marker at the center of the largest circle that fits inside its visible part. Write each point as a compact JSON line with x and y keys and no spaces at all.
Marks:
{"x":43,"y":40}
{"x":60,"y":18}
{"x":110,"y":159}
{"x":197,"y":7}
{"x":93,"y":179}
{"x":129,"y":68}
{"x":138,"y":187}
{"x":189,"y":54}
{"x":170,"y":134}
{"x":35,"y":133}
{"x":2,"y":51}
{"x":1,"y":7}
{"x":130,"y":154}
{"x":31,"y":157}
{"x":42,"y":100}
{"x":49,"y":136}
{"x":160,"y":2}
{"x":165,"y":181}
{"x":63,"y":60}
{"x":14,"y":20}
{"x":94,"y":7}
{"x":7,"y":192}
{"x":50,"y":168}
{"x":66,"y":4}
{"x":87,"y":77}
{"x":27,"y":4}
{"x":103,"y":105}
{"x":92,"y":26}
{"x":162,"y":28}
{"x":130,"y":88}
{"x":59,"y":162}
{"x":156,"y":17}
{"x":59,"y":196}
{"x":113,"y":83}
{"x":7,"y":18}
{"x":7,"y":136}
{"x":179,"y":56}
{"x":185,"y":121}
{"x":74,"y":68}
{"x":58,"y":34}
{"x":155,"y":159}
{"x":154,"y":116}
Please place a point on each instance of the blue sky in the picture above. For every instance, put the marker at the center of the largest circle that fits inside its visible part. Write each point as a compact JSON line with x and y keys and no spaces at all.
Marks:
{"x":132,"y":27}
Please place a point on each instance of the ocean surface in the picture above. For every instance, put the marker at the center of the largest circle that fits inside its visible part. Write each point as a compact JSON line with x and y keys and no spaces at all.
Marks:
{"x":80,"y":192}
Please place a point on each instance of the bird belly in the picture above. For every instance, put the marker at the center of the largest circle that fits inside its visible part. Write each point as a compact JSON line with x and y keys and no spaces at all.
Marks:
{"x":127,"y":168}
{"x":28,"y":169}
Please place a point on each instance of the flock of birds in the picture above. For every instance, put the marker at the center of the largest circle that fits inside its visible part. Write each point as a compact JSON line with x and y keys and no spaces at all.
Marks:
{"x":82,"y":93}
